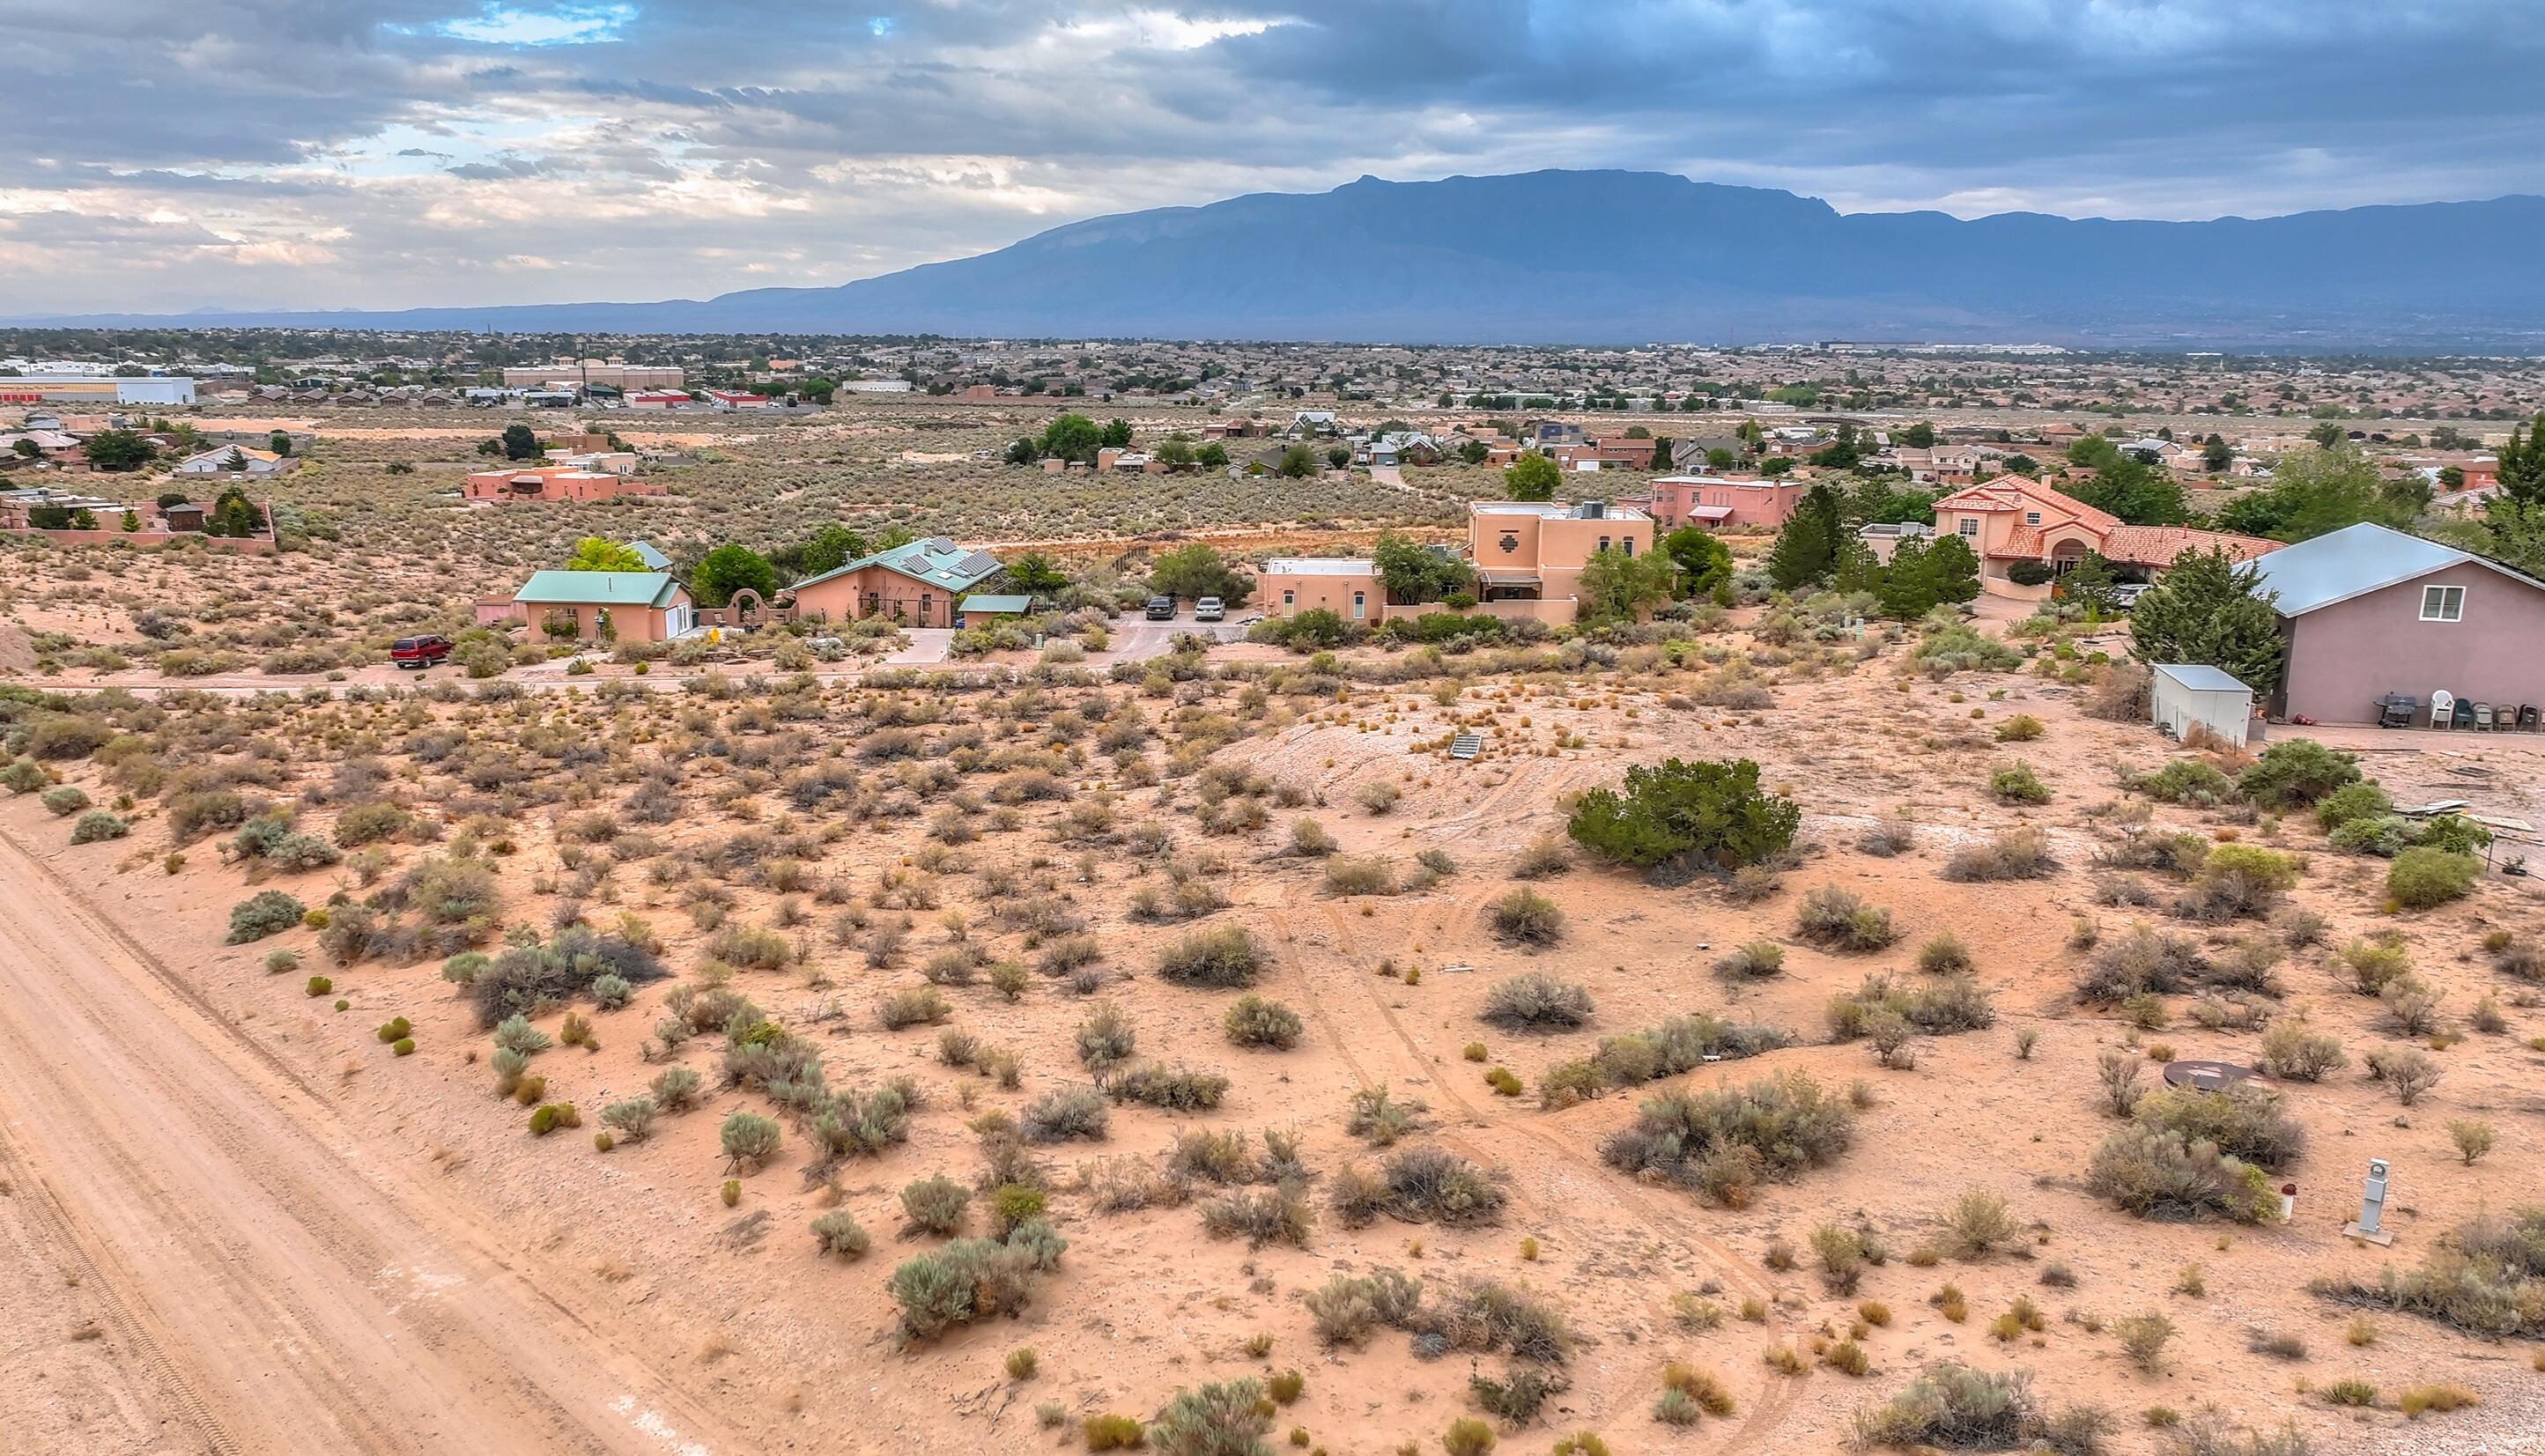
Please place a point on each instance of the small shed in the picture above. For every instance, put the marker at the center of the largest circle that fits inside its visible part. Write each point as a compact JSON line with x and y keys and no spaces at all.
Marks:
{"x":979,"y":607}
{"x":2184,"y":695}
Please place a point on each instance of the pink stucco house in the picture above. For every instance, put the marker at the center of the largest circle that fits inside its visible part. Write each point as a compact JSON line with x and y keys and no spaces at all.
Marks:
{"x":1346,"y":586}
{"x":554,"y":483}
{"x":2013,"y":517}
{"x":1534,"y":551}
{"x":2368,"y":612}
{"x":1722,"y":502}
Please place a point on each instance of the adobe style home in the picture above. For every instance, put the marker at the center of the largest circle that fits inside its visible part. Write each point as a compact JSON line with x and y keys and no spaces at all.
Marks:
{"x":1346,"y":586}
{"x":1723,"y":501}
{"x":603,"y":606}
{"x":2014,"y":519}
{"x":919,"y":583}
{"x":2368,"y":612}
{"x":554,"y":483}
{"x":1533,"y":551}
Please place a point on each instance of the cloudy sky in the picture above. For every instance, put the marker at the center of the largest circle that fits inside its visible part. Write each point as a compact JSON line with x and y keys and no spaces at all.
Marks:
{"x":165,"y":155}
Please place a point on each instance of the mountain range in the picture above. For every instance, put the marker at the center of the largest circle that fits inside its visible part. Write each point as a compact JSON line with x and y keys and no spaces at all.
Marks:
{"x":1596,"y":257}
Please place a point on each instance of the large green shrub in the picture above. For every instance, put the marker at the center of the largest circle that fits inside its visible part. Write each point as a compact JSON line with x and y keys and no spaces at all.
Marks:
{"x":2297,"y":773}
{"x":2425,"y":876}
{"x":1686,"y":814}
{"x":265,"y":913}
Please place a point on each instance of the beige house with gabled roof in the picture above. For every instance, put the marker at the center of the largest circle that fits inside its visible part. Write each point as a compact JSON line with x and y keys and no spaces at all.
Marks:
{"x":2014,"y":518}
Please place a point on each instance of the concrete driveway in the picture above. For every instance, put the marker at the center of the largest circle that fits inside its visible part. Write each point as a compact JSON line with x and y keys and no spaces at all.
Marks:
{"x":928,"y":645}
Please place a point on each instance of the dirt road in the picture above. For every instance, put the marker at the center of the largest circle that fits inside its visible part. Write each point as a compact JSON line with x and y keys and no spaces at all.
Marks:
{"x":283,"y":1296}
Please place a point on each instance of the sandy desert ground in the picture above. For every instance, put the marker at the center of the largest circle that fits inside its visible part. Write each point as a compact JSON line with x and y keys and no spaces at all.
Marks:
{"x":270,"y":1232}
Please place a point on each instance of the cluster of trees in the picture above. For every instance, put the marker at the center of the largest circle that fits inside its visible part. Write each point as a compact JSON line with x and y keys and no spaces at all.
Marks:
{"x":118,"y":450}
{"x":2131,"y":486}
{"x":1819,"y":546}
{"x":1070,"y":437}
{"x":2324,"y":489}
{"x":1413,"y":574}
{"x":2512,"y":529}
{"x":1198,"y":570}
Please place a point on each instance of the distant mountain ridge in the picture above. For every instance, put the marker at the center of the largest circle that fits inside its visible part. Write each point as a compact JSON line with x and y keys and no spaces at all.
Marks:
{"x":1638,"y":257}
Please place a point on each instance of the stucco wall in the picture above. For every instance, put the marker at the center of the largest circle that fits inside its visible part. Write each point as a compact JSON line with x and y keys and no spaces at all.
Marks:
{"x":2342,"y":658}
{"x":1307,"y":593}
{"x":895,"y":597}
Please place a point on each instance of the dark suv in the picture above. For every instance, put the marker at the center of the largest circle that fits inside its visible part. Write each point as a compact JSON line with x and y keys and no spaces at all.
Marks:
{"x":1162,"y":609}
{"x":419,"y":652}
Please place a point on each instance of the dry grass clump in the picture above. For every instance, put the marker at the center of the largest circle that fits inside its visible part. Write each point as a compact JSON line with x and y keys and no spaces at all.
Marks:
{"x":2015,"y":855}
{"x":1218,"y":957}
{"x":1944,"y":1005}
{"x":1840,"y":919}
{"x":2244,"y":1121}
{"x":1677,"y":1045}
{"x":1954,"y":1407}
{"x":2486,"y":1276}
{"x":1348,"y":1308}
{"x":1256,"y":1022}
{"x":1419,"y":1185}
{"x":1537,"y":1001}
{"x":2161,"y":1176}
{"x":1724,"y":1140}
{"x":1527,"y":919}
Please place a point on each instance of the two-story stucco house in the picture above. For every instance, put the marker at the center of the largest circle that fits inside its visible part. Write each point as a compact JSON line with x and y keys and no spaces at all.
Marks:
{"x":1534,"y":551}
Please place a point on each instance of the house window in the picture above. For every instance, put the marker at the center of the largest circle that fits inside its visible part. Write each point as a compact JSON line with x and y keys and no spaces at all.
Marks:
{"x":2442,"y":604}
{"x":1629,"y":543}
{"x":2032,"y":518}
{"x":1603,"y":543}
{"x":1970,"y":526}
{"x":1357,"y":598}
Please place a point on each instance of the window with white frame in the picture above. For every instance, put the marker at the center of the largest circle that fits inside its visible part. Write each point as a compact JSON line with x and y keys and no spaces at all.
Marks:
{"x":1970,"y":526}
{"x":2442,"y":604}
{"x":2032,"y":518}
{"x":1358,"y":598}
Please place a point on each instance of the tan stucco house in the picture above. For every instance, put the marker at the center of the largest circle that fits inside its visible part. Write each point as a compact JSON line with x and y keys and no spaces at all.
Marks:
{"x":1534,"y":551}
{"x":921,"y":582}
{"x":595,"y":605}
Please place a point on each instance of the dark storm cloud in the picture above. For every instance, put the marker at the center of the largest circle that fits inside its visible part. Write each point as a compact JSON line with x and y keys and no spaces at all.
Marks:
{"x":645,"y":140}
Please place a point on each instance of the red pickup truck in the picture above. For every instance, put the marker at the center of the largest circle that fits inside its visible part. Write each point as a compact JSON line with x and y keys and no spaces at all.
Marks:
{"x":419,"y":652}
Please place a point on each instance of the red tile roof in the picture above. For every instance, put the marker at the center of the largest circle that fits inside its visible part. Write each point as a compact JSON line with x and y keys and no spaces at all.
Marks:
{"x":2158,"y":545}
{"x":2022,"y":493}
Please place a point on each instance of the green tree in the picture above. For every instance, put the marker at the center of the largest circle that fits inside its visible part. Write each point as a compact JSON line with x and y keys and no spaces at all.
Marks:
{"x":1720,"y":457}
{"x":1338,"y":456}
{"x":2328,"y":434}
{"x":728,"y":569}
{"x":2090,"y":584}
{"x":2216,"y":454}
{"x":1299,"y":463}
{"x":2207,"y":609}
{"x":599,"y":553}
{"x":1413,"y":574}
{"x":1022,"y":450}
{"x":1116,"y":434}
{"x":83,"y":518}
{"x":1175,"y":455}
{"x":2317,"y":490}
{"x":1686,"y":815}
{"x":132,"y":520}
{"x":1703,"y":561}
{"x":1775,"y":465}
{"x":1807,"y":547}
{"x":1921,"y":436}
{"x":1212,"y":455}
{"x":2126,"y":487}
{"x":280,"y":442}
{"x":1037,"y":573}
{"x":1531,"y":477}
{"x":1953,"y":571}
{"x":2023,"y":465}
{"x":118,"y":450}
{"x":1072,"y":438}
{"x":2522,"y":464}
{"x":520,"y":442}
{"x":1616,"y":587}
{"x":1474,"y":452}
{"x":830,"y":547}
{"x":1905,"y":591}
{"x":1197,"y":569}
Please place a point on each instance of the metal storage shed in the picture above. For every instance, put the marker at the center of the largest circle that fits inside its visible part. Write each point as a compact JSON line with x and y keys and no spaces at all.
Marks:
{"x":2182,"y":696}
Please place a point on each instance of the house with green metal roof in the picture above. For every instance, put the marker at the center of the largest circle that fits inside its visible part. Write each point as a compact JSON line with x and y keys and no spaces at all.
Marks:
{"x":921,"y":582}
{"x":597,"y":605}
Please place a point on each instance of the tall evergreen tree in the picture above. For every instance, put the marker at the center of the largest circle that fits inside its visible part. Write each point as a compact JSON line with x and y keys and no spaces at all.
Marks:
{"x":2207,"y":609}
{"x":1806,"y":548}
{"x":1953,"y":571}
{"x":2522,"y":464}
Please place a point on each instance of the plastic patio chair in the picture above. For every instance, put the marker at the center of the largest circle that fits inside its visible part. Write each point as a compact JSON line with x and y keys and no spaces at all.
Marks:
{"x":2442,"y":705}
{"x":2463,"y":717}
{"x":2483,"y":717}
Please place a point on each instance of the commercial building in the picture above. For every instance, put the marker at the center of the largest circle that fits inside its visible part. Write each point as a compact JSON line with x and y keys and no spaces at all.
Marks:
{"x":613,"y":374}
{"x":97,"y":390}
